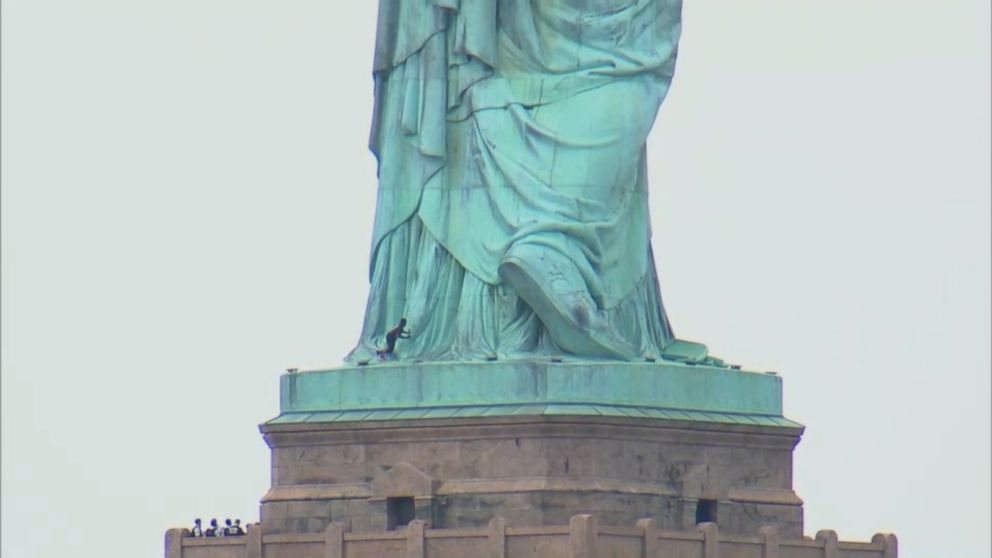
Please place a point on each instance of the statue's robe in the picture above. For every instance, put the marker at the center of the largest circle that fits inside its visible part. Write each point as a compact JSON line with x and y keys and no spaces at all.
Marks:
{"x":507,"y":122}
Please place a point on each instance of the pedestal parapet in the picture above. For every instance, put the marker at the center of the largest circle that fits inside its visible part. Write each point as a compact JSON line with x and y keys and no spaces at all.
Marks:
{"x":582,"y":536}
{"x":456,"y":444}
{"x":667,"y":391}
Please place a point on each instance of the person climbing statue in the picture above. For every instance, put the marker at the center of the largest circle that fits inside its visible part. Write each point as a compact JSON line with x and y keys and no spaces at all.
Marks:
{"x":392,"y":335}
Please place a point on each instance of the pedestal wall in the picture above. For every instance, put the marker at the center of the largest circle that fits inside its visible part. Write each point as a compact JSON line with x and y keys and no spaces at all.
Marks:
{"x":536,"y":444}
{"x":533,"y":471}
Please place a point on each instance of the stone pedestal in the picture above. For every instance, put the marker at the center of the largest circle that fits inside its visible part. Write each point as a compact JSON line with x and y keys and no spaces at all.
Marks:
{"x":455,"y":445}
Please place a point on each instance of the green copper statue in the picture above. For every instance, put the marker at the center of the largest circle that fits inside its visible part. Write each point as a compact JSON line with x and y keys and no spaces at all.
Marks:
{"x":512,"y":217}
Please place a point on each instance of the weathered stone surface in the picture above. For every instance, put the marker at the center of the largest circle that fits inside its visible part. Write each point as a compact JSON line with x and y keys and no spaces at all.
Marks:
{"x":582,"y":535}
{"x":533,"y":471}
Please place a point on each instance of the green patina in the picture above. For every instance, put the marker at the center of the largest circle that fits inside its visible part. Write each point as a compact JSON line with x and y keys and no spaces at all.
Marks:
{"x":512,"y":215}
{"x":664,"y":390}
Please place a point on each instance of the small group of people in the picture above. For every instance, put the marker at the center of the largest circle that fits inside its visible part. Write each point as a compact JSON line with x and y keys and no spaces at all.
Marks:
{"x":228,"y":530}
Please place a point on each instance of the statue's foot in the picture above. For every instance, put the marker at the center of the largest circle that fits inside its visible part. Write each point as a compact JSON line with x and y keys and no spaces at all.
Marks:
{"x":569,"y":313}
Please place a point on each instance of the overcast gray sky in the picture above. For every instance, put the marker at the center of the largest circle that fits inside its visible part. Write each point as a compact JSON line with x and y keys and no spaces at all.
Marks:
{"x":187,"y":202}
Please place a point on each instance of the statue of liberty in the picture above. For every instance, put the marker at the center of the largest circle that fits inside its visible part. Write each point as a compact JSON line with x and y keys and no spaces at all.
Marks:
{"x":512,"y":217}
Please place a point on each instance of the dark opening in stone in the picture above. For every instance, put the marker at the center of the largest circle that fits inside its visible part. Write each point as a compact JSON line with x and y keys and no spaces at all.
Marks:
{"x":705,"y":511}
{"x":399,"y":512}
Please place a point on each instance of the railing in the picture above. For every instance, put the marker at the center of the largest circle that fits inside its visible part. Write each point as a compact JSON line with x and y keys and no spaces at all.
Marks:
{"x":581,"y":538}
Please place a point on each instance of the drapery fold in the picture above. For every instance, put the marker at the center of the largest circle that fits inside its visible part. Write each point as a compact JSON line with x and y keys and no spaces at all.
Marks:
{"x":508,"y":123}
